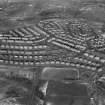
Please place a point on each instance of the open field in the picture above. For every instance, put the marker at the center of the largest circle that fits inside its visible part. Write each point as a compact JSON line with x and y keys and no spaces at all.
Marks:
{"x":16,"y":13}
